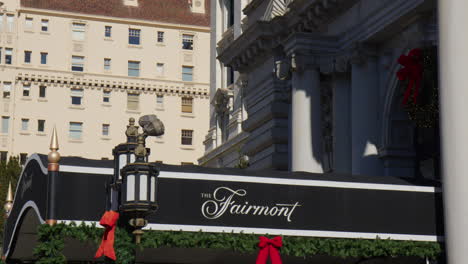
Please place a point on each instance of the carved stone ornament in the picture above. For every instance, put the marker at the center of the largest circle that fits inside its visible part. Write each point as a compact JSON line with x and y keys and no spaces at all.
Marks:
{"x":221,"y":101}
{"x":283,"y":69}
{"x":151,"y":125}
{"x":132,"y":130}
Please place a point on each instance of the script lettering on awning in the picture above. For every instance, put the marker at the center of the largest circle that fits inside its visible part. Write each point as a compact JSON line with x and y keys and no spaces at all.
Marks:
{"x":223,"y":201}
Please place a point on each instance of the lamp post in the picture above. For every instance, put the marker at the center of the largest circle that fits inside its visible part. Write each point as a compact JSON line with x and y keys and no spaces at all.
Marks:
{"x":136,"y":177}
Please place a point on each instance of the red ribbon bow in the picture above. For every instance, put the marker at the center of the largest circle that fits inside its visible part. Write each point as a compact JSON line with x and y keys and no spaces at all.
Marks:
{"x":108,"y":221}
{"x":412,"y":70}
{"x":269,"y":247}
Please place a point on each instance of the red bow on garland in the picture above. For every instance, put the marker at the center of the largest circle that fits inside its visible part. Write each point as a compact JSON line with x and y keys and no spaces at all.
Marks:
{"x":108,"y":221}
{"x":412,"y":70}
{"x":269,"y":247}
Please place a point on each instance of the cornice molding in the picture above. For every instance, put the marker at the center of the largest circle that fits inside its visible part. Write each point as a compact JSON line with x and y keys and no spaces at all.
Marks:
{"x":84,"y":83}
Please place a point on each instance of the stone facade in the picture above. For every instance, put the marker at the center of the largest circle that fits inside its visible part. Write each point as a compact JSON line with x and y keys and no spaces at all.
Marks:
{"x":128,"y":62}
{"x":321,"y":92}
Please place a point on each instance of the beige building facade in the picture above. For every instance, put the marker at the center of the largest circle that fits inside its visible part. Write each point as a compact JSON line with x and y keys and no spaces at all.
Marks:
{"x":87,"y":70}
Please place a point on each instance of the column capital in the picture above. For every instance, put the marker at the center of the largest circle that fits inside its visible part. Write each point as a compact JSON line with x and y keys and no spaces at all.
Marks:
{"x":360,"y":53}
{"x":302,"y":61}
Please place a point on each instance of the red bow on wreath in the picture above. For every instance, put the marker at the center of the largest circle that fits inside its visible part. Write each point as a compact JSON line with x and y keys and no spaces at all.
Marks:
{"x":412,"y":71}
{"x":108,"y":221}
{"x":269,"y":247}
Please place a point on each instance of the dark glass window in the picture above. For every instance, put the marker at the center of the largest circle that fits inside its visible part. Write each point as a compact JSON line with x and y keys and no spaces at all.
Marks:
{"x":27,"y":57}
{"x":134,"y":36}
{"x":44,"y":57}
{"x":108,"y":32}
{"x":42,"y":91}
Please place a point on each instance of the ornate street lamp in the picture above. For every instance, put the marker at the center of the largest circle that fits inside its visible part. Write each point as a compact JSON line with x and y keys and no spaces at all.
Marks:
{"x":139,"y":179}
{"x":124,"y":154}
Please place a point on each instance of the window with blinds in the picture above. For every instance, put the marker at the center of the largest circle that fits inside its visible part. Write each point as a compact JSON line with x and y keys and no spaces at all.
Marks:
{"x":77,"y":63}
{"x":107,"y":64}
{"x":108,"y":31}
{"x":24,"y":124}
{"x":187,"y":73}
{"x":78,"y":31}
{"x":187,"y":42}
{"x":133,"y":68}
{"x":44,"y":25}
{"x":133,"y":101}
{"x":105,"y":129}
{"x":5,"y":124}
{"x":106,"y":96}
{"x":75,"y":130}
{"x":187,"y":105}
{"x":6,"y":89}
{"x":187,"y":136}
{"x":76,"y":96}
{"x":10,"y":22}
{"x":28,"y":23}
{"x":26,"y":90}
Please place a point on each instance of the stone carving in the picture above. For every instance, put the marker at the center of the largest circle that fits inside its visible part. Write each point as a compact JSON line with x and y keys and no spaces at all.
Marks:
{"x":151,"y":125}
{"x":132,"y":130}
{"x":221,"y":101}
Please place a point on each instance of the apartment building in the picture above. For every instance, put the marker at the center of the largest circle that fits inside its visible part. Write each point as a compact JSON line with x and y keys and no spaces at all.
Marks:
{"x":86,"y":67}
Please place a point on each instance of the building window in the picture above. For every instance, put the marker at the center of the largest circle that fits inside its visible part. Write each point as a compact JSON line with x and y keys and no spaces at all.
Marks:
{"x":134,"y":68}
{"x":78,"y":31}
{"x":44,"y":57}
{"x":8,"y":55}
{"x":10,"y":22}
{"x":77,"y":63}
{"x":24,"y":124}
{"x":26,"y":89}
{"x":106,"y":96}
{"x":134,"y":36}
{"x":42,"y":91}
{"x":44,"y":25}
{"x":5,"y":124}
{"x":160,"y":69}
{"x":6,"y":89}
{"x":107,"y":64}
{"x":187,"y":42}
{"x":27,"y":56}
{"x":187,"y":137}
{"x":23,"y":158}
{"x":108,"y":31}
{"x":76,"y":96}
{"x":133,"y":101}
{"x":28,"y":23}
{"x":76,"y":130}
{"x":160,"y":101}
{"x":160,"y":37}
{"x":105,"y":130}
{"x":40,"y":125}
{"x":187,"y":73}
{"x":187,"y":105}
{"x":3,"y":156}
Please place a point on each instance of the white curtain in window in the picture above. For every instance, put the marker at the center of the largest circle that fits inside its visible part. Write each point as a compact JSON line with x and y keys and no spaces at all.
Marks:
{"x":78,"y":31}
{"x":10,"y":20}
{"x":77,"y":92}
{"x":7,"y":87}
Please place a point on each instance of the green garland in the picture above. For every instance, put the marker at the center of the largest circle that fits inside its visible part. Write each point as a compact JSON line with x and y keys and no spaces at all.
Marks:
{"x":51,"y":244}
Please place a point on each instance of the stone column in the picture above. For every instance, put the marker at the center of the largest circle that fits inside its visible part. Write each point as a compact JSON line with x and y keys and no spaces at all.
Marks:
{"x":364,"y":115}
{"x":453,"y":56}
{"x":306,"y":129}
{"x":341,"y":84}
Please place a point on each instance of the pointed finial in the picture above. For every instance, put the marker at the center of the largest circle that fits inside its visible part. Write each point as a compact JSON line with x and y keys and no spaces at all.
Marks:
{"x":54,"y":156}
{"x":54,"y":146}
{"x":9,"y":201}
{"x":9,"y":194}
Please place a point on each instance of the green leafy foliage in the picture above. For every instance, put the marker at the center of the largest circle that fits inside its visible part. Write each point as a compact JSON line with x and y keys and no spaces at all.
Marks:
{"x":48,"y":251}
{"x":9,"y":172}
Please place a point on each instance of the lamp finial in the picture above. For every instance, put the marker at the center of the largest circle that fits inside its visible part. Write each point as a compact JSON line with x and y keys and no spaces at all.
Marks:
{"x":54,"y":156}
